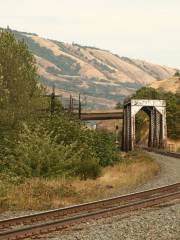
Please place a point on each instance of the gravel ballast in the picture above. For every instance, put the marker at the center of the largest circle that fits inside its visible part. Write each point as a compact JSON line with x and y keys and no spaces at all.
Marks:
{"x":163,"y":224}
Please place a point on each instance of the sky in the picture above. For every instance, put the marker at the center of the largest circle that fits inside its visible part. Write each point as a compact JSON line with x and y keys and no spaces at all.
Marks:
{"x":141,"y":29}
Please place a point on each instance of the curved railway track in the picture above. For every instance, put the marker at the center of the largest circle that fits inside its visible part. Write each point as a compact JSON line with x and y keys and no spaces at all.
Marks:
{"x":58,"y":219}
{"x":161,"y":151}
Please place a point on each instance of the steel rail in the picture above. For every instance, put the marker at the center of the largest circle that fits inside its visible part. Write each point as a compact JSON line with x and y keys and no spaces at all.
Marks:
{"x":62,"y":212}
{"x":47,"y":227}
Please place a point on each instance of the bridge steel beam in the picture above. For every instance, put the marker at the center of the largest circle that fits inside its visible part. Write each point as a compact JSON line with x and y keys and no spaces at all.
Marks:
{"x":100,"y":116}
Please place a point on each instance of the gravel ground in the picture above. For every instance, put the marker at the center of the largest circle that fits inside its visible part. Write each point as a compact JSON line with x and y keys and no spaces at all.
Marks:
{"x":156,"y":223}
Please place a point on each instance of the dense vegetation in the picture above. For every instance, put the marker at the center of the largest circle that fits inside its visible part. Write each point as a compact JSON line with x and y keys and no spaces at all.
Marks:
{"x":35,"y":143}
{"x":172,"y":108}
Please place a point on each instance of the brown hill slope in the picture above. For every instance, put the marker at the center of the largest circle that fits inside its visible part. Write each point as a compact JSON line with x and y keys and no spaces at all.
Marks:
{"x":171,"y":84}
{"x":102,"y":76}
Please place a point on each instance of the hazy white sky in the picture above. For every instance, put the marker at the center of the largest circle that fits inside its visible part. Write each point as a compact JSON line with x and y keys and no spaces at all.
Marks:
{"x":143,"y":29}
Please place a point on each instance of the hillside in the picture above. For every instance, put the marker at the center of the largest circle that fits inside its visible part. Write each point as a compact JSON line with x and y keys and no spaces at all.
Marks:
{"x":102,"y":76}
{"x":171,"y":84}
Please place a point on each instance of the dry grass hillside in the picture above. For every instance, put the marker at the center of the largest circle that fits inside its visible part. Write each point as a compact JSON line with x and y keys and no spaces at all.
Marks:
{"x":171,"y":84}
{"x":102,"y":76}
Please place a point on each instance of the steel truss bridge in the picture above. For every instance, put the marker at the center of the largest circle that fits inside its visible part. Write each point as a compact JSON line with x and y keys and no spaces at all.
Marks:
{"x":155,"y":109}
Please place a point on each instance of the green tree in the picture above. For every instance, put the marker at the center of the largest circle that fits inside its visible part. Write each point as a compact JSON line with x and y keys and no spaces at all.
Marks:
{"x":18,"y":81}
{"x":147,"y":93}
{"x":119,"y":105}
{"x":177,"y":73}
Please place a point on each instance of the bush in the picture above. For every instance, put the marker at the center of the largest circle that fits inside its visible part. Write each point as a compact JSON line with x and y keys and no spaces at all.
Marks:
{"x":103,"y":144}
{"x":58,"y":145}
{"x":36,"y":154}
{"x":68,"y":130}
{"x":177,"y":73}
{"x":89,"y":169}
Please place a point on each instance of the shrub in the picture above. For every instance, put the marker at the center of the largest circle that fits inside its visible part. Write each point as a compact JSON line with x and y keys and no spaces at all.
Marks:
{"x":36,"y":154}
{"x":104,"y":146}
{"x":69,"y":130}
{"x":177,"y":73}
{"x":59,"y":145}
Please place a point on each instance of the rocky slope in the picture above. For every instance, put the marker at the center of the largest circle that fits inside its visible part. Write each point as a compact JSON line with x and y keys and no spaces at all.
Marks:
{"x":103,"y":77}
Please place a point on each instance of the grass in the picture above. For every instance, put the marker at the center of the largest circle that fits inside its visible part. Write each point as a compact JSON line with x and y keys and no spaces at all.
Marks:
{"x":135,"y":169}
{"x":39,"y":194}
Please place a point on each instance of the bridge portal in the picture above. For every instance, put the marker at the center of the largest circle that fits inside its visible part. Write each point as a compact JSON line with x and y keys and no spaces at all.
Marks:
{"x":156,"y":110}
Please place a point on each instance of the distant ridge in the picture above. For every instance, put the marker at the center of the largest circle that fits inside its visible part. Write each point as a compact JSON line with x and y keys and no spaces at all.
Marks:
{"x":102,"y":76}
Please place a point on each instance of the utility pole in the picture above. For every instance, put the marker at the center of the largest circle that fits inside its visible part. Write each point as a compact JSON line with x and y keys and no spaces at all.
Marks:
{"x":53,"y":100}
{"x":117,"y":133}
{"x":79,"y":106}
{"x":70,"y":103}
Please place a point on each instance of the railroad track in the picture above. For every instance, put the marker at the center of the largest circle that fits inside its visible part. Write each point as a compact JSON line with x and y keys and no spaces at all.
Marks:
{"x":162,"y":152}
{"x":48,"y":221}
